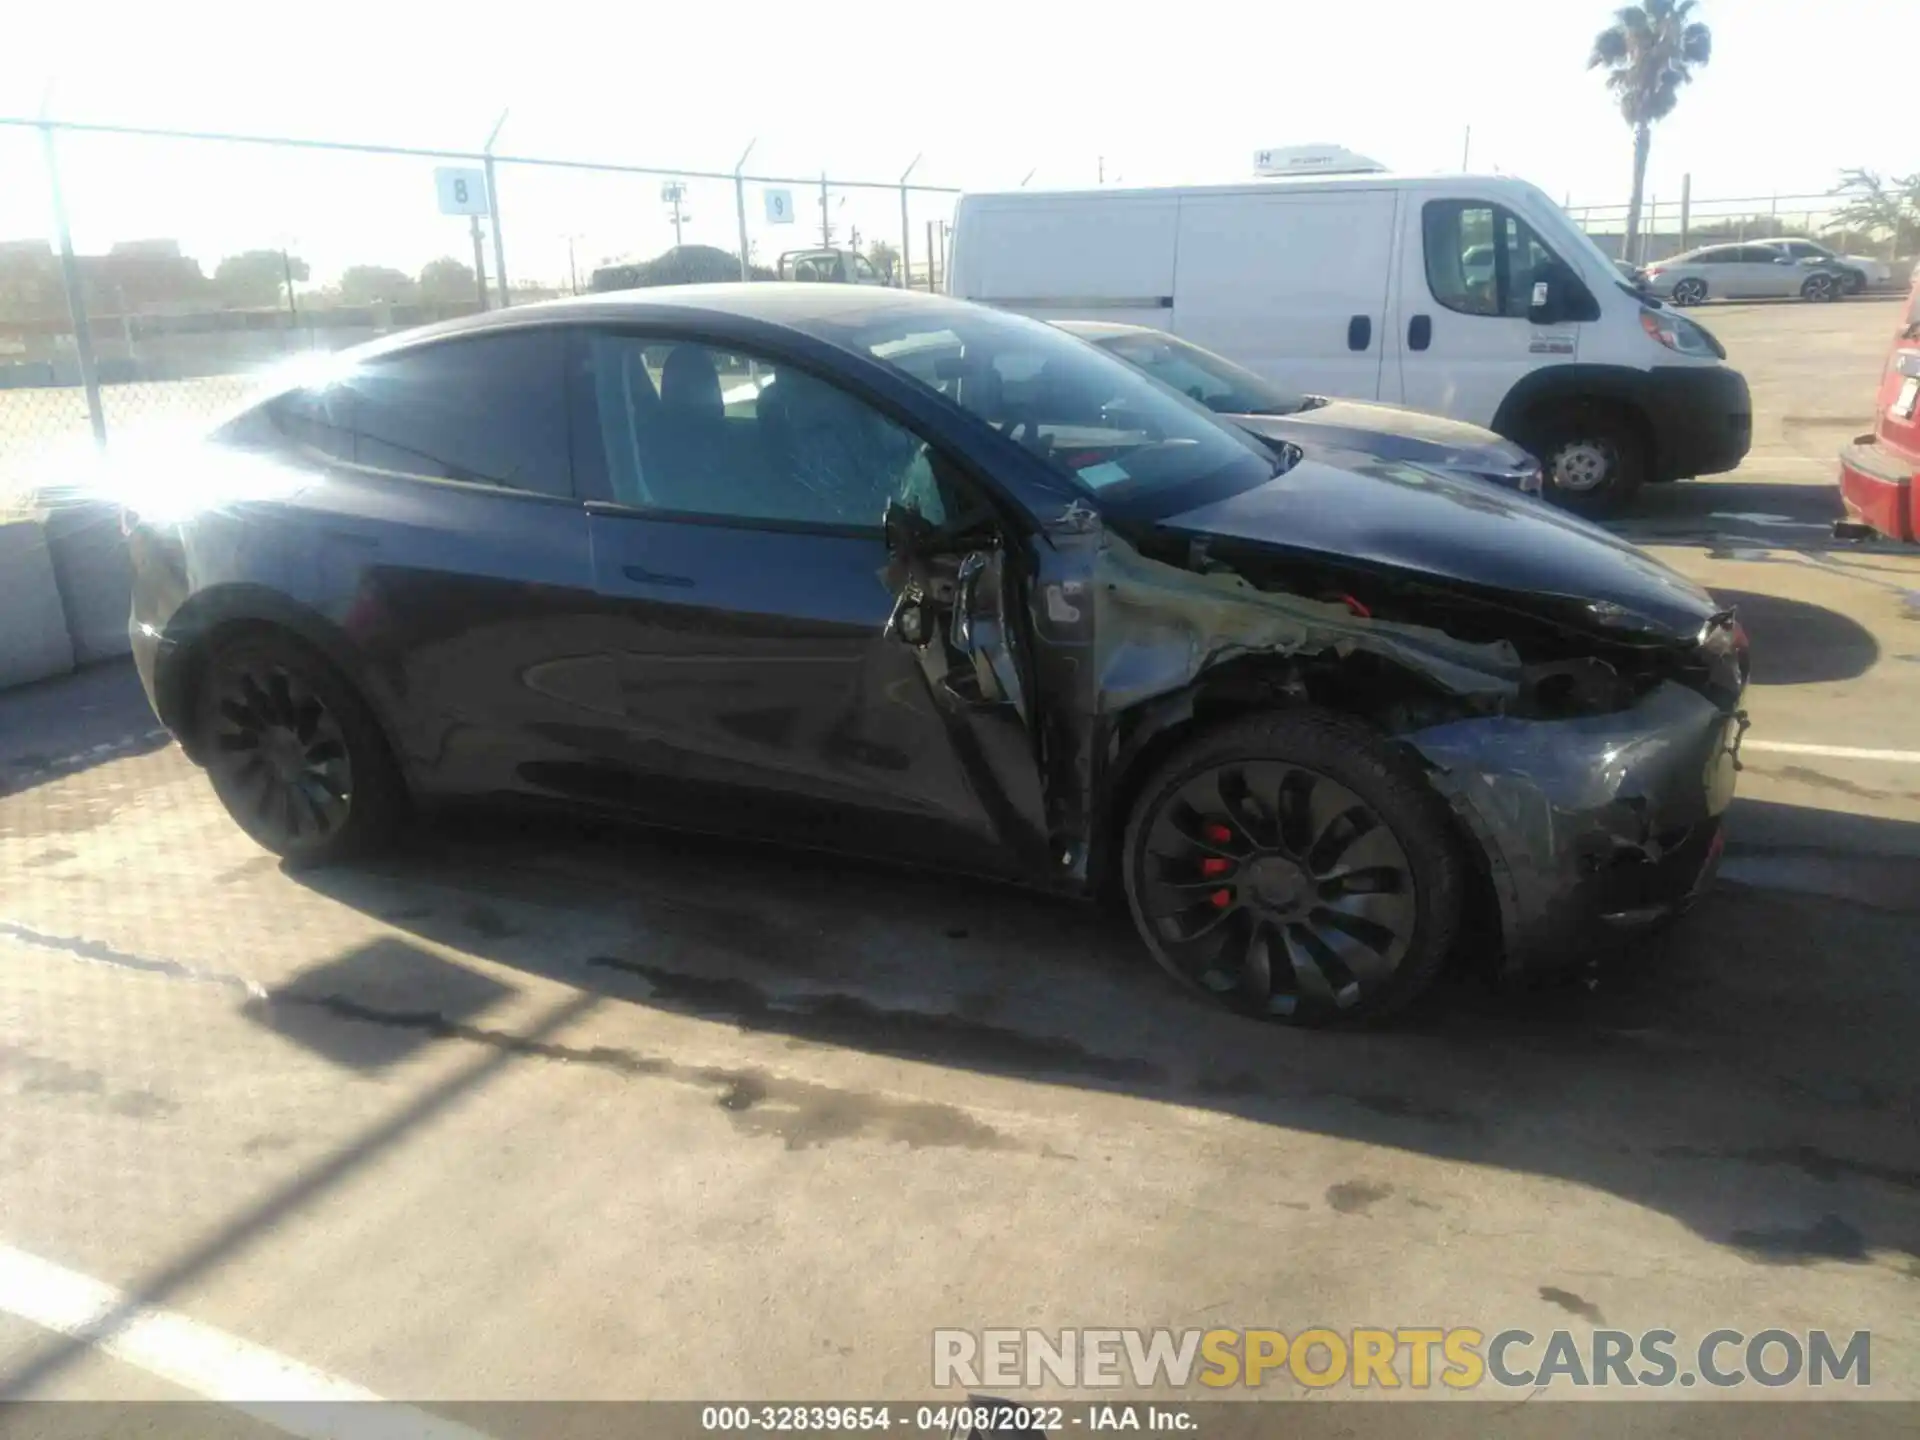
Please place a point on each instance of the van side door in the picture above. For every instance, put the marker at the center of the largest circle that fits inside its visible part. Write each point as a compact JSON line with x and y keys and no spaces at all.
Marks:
{"x":1292,"y":286}
{"x":1465,"y":331}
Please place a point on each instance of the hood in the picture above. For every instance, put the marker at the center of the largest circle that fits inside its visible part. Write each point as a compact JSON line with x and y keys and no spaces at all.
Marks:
{"x":1391,"y":433}
{"x":1466,"y":534}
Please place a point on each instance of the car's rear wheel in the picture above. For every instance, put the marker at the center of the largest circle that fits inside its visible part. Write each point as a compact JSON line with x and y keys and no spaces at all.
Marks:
{"x":293,"y":751}
{"x":1819,"y":288}
{"x":1691,"y":291}
{"x":1295,"y":867}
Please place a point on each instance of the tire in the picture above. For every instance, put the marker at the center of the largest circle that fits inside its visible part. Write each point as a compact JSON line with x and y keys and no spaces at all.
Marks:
{"x":294,"y":753}
{"x":1691,"y":291}
{"x":1819,"y":288}
{"x":1592,"y":463}
{"x":1269,"y":812}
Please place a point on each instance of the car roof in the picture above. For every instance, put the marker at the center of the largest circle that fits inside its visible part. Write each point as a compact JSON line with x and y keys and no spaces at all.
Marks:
{"x":1103,"y":327}
{"x":792,"y":305}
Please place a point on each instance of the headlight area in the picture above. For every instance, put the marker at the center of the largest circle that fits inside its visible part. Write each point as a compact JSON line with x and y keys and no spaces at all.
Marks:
{"x":1680,"y":334}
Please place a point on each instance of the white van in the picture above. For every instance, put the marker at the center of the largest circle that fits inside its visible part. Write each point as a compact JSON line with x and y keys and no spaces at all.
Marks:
{"x":1473,"y":297}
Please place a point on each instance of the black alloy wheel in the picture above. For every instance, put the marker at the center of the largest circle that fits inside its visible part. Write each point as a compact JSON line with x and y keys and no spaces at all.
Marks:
{"x":1691,"y":291}
{"x":293,"y":753}
{"x":1259,"y":871}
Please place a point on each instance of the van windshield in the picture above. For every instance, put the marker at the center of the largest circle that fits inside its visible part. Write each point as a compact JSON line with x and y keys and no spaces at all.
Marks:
{"x":1099,"y":422}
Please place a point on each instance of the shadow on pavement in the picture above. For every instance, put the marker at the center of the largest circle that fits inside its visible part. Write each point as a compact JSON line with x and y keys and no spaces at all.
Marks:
{"x":72,"y":722}
{"x":1798,"y":643}
{"x":1750,"y":1072}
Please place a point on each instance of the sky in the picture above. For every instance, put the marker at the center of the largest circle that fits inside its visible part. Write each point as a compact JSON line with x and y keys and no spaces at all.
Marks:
{"x":985,"y":94}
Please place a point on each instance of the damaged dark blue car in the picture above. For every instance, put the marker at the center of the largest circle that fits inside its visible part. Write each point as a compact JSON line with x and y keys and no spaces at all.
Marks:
{"x":897,"y":575}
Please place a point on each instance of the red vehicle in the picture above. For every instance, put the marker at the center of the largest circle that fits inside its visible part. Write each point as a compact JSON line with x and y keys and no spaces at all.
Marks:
{"x":1877,"y":470}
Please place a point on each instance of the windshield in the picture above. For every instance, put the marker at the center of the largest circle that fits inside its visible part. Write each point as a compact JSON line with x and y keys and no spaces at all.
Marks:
{"x":1216,"y":382}
{"x":1093,"y":419}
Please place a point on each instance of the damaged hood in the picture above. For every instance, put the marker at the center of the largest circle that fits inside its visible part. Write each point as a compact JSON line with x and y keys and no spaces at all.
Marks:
{"x":1392,"y":433}
{"x":1461,"y":532}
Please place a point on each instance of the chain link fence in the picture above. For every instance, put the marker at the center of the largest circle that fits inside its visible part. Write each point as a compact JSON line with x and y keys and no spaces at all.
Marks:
{"x":173,"y":271}
{"x":1670,"y":225}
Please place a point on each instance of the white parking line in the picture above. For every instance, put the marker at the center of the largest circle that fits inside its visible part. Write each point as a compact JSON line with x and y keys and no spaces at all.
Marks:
{"x":1832,"y":752}
{"x":284,"y":1393}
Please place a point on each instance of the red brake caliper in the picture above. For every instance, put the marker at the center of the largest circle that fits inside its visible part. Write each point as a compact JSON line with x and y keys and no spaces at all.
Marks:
{"x":1213,"y":865}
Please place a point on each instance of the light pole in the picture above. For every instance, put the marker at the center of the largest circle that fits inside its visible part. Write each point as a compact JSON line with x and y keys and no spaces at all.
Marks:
{"x":740,"y":205}
{"x":493,"y":216}
{"x":906,"y":234}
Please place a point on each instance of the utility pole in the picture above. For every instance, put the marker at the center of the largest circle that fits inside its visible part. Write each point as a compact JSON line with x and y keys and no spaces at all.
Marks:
{"x":673,"y":192}
{"x":826,"y":219}
{"x":573,"y":270}
{"x":1466,"y":148}
{"x":1102,"y":164}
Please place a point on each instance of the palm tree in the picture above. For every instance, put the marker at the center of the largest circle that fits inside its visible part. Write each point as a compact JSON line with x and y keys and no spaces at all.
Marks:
{"x":1648,"y":53}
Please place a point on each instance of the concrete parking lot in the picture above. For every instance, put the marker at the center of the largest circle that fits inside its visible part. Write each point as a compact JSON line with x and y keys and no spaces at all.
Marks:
{"x":543,"y":1111}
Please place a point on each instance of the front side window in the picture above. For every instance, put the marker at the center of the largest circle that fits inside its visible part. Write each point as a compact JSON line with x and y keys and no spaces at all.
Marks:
{"x":1485,"y":260}
{"x":1089,"y":417}
{"x":486,"y":409}
{"x":1803,"y":250}
{"x":695,"y":430}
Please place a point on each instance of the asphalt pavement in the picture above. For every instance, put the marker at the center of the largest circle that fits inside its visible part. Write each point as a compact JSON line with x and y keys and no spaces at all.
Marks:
{"x":537,"y":1111}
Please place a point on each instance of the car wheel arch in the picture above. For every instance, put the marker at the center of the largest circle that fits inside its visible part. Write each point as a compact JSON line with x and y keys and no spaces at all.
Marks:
{"x":1146,"y":735}
{"x":215,"y":617}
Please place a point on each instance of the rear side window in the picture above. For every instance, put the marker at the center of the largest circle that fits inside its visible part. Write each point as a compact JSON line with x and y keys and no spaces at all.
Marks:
{"x":489,"y":410}
{"x":310,"y":422}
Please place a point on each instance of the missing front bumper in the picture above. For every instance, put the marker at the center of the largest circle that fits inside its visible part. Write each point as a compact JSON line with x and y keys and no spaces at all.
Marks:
{"x":1591,"y":827}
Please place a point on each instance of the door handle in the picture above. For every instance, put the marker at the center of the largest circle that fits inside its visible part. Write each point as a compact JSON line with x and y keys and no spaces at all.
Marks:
{"x":1359,"y":332}
{"x":1419,"y":332}
{"x":642,"y":576}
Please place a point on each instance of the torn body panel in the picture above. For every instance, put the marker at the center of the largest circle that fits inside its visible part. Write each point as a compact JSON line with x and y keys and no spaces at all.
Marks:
{"x":1611,"y":818}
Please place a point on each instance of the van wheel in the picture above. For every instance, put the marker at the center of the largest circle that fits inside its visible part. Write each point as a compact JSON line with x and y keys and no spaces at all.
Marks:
{"x":1295,"y":867}
{"x":293,"y":752}
{"x":1592,"y":464}
{"x":1819,"y":288}
{"x":1690,"y":292}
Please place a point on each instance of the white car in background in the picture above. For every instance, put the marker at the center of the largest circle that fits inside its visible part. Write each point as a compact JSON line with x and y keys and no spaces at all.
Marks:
{"x":1743,"y":272}
{"x":1860,"y":271}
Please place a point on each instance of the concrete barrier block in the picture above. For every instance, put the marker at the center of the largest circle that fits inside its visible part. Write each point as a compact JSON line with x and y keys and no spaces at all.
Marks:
{"x":33,"y":623}
{"x":90,"y":566}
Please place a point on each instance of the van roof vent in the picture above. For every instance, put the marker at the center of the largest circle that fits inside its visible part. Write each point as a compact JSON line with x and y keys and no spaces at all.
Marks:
{"x":1313,"y":160}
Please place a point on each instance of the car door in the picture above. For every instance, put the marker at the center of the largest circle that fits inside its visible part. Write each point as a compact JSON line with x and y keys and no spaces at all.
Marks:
{"x":455,"y":516}
{"x":1762,"y":272}
{"x":738,"y":553}
{"x":1466,"y":335}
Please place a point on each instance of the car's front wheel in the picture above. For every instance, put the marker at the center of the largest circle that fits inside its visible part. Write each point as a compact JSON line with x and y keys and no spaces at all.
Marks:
{"x":293,"y":751}
{"x":1691,"y":291}
{"x":1295,"y":867}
